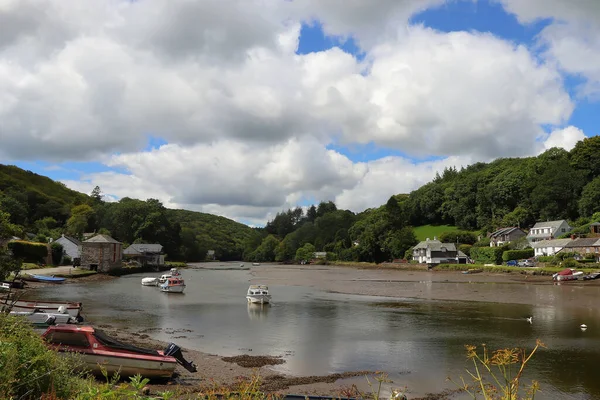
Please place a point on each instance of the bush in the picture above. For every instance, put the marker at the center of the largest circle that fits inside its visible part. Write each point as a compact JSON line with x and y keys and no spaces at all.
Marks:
{"x":29,"y":251}
{"x":463,"y":237}
{"x":545,"y":259}
{"x":570,"y":263}
{"x":487,"y":255}
{"x":29,"y":369}
{"x":67,"y":260}
{"x":484,"y":242}
{"x":517,"y":254}
{"x":465,"y":248}
{"x":57,"y":253}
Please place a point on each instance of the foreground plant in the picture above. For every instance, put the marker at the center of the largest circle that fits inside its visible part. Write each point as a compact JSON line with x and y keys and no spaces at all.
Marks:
{"x":498,"y":377}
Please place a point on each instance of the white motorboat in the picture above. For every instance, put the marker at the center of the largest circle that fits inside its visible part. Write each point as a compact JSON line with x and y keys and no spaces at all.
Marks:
{"x":567,"y":274}
{"x":173,"y":284}
{"x":42,"y":318}
{"x":256,"y":264}
{"x":258,"y":294}
{"x":173,"y":272}
{"x":149,"y":281}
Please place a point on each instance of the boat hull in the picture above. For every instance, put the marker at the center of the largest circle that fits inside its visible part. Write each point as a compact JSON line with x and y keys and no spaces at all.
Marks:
{"x":42,"y":318}
{"x":259,"y":298}
{"x":73,"y":309}
{"x":150,"y":282}
{"x":172,"y":289}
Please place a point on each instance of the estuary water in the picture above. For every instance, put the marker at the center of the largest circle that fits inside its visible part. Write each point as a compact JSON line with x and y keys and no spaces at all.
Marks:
{"x":418,"y":342}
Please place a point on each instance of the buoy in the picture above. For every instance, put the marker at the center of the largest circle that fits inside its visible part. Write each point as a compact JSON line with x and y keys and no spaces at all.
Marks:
{"x":530,"y":319}
{"x":583,"y":326}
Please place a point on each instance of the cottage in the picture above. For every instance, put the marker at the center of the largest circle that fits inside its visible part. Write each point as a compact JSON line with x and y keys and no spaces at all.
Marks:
{"x":71,"y":246}
{"x":101,"y":253}
{"x":436,"y":252}
{"x":145,"y":254}
{"x":548,"y":230}
{"x":585,"y":247}
{"x":505,"y":235}
{"x":595,"y":229}
{"x":549,"y":247}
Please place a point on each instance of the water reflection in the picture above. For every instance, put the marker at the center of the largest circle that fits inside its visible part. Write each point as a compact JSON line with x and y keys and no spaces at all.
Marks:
{"x":320,"y":333}
{"x":257,"y":312}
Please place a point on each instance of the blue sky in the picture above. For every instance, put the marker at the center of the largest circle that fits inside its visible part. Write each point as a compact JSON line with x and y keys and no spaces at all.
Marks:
{"x":480,"y":16}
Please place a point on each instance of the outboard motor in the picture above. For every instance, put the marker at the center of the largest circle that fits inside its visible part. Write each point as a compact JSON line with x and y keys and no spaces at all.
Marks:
{"x":50,"y":320}
{"x":175,"y":351}
{"x":62,"y":310}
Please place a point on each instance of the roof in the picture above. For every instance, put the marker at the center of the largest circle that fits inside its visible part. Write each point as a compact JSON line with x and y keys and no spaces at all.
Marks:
{"x":595,"y":224}
{"x":583,"y":242}
{"x":70,"y":239}
{"x":101,"y":239}
{"x":549,"y":224}
{"x":435,"y":245}
{"x":139,"y":248}
{"x":504,"y":231}
{"x":551,"y":243}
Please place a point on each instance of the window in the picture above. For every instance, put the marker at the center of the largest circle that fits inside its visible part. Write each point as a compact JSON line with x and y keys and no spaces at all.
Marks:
{"x":68,"y":339}
{"x":563,"y":230}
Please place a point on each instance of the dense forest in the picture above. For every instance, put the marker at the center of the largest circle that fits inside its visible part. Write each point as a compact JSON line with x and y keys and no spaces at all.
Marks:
{"x":480,"y":198}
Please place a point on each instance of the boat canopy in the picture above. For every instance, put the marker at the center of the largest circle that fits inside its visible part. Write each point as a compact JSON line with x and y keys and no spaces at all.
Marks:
{"x":115,"y":344}
{"x":261,"y":287}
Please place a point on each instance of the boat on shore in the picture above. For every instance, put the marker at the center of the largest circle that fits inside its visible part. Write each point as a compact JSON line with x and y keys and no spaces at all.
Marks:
{"x":256,"y":264}
{"x":73,"y":309}
{"x":43,"y":278}
{"x":149,"y":281}
{"x":173,"y":285}
{"x":473,"y":271}
{"x":100,"y":352}
{"x":16,"y":284}
{"x":567,"y":274}
{"x":258,"y":294}
{"x":39,"y":318}
{"x":592,"y":276}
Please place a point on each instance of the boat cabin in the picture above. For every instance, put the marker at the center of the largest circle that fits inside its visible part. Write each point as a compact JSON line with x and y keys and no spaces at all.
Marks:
{"x":258,"y":289}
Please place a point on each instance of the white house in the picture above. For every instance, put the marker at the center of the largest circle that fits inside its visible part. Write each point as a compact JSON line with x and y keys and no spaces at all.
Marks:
{"x":548,"y":230}
{"x":71,"y":246}
{"x":549,"y":247}
{"x":436,"y":252}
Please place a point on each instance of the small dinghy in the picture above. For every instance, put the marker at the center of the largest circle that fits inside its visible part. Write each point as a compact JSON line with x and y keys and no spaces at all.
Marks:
{"x":149,"y":281}
{"x":73,"y":308}
{"x":41,"y":318}
{"x":592,"y":276}
{"x":44,"y":278}
{"x":473,"y":271}
{"x":258,"y":294}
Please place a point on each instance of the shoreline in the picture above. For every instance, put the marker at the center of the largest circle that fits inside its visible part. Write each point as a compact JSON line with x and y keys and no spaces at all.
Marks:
{"x":394,"y":283}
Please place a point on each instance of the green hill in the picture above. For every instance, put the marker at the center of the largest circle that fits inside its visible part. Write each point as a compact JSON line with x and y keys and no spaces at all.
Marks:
{"x":430,"y":231}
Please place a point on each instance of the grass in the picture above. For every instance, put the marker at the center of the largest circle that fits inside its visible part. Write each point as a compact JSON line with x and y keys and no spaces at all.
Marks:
{"x":26,"y":266}
{"x":76,"y":273}
{"x":429,"y":231}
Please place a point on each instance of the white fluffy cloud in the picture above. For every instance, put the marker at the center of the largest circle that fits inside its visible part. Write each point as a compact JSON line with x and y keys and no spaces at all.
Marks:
{"x":246,"y":118}
{"x":565,"y":138}
{"x":572,"y":40}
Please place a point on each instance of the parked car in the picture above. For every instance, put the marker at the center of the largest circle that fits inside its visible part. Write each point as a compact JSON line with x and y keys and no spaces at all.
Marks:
{"x":512,"y":263}
{"x":526,"y":263}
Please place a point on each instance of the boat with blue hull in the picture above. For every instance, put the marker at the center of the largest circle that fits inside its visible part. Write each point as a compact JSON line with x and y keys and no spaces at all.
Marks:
{"x":44,"y":278}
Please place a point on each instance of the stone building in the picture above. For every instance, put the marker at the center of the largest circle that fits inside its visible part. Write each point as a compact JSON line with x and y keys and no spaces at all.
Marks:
{"x":101,"y":253}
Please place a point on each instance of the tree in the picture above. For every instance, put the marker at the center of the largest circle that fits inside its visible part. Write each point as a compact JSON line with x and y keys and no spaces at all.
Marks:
{"x":398,"y":241}
{"x":311,"y":214}
{"x":8,"y":263}
{"x":78,"y":221}
{"x":585,"y":156}
{"x":589,"y":203}
{"x":326,"y":207}
{"x":462,"y":237}
{"x":266,"y":250}
{"x":305,"y":253}
{"x":96,"y":194}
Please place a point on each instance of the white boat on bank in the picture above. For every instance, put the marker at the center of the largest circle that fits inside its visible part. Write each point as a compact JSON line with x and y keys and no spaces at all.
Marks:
{"x":258,"y":294}
{"x":149,"y":281}
{"x":40,"y":318}
{"x":73,"y":309}
{"x":173,"y":284}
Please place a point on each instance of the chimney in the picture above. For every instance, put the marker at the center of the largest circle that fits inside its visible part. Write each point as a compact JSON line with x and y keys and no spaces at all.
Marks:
{"x":427,"y":240}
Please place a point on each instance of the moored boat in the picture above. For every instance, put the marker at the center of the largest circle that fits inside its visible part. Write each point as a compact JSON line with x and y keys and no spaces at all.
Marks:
{"x":258,"y":294}
{"x":592,"y":276}
{"x":172,"y":272}
{"x":567,"y":274}
{"x":44,"y":278}
{"x":73,"y":309}
{"x":101,"y":352}
{"x":40,"y":318}
{"x":149,"y":281}
{"x":473,"y":271}
{"x":173,"y":285}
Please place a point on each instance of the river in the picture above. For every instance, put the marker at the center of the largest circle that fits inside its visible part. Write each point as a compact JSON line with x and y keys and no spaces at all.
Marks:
{"x":419,"y":342}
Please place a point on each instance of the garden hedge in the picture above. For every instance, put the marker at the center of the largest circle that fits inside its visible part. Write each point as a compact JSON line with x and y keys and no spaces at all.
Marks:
{"x":29,"y":251}
{"x":517,"y":254}
{"x":487,"y":255}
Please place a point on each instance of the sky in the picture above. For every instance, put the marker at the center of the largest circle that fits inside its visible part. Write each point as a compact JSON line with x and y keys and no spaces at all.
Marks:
{"x":244,"y":108}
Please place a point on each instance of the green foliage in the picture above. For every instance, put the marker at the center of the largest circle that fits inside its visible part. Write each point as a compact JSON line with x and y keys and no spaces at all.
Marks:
{"x":7,"y":228}
{"x":28,"y":370}
{"x":67,"y":260}
{"x":29,"y":251}
{"x":266,"y":250}
{"x":487,"y":255}
{"x":585,"y":156}
{"x":79,"y":220}
{"x":517,"y":254}
{"x":465,"y":248}
{"x":589,"y":203}
{"x":545,"y":259}
{"x":305,"y":253}
{"x":430,"y":231}
{"x":457,"y":236}
{"x":56,"y":250}
{"x":484,"y":242}
{"x":570,"y":263}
